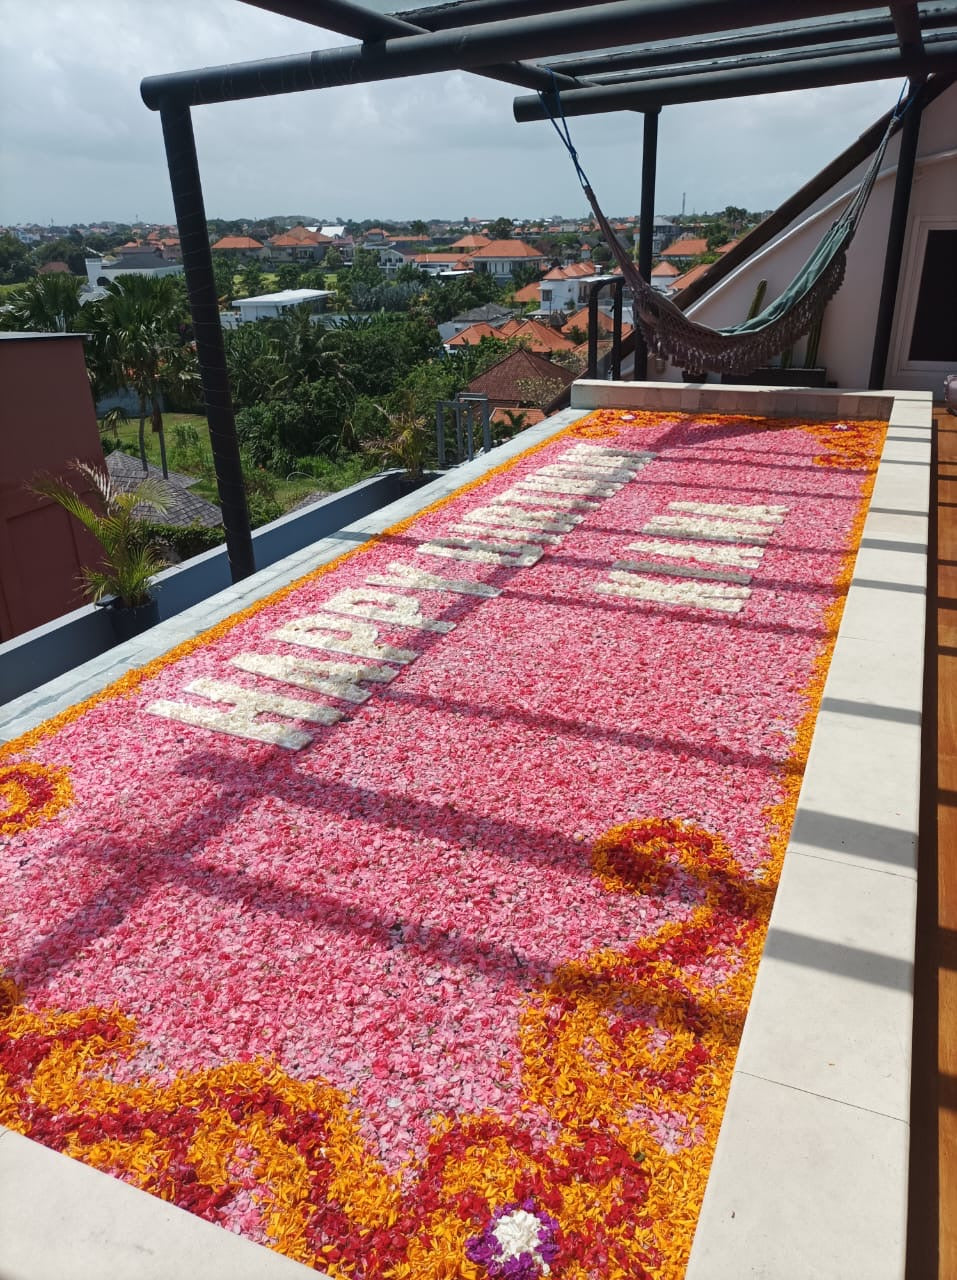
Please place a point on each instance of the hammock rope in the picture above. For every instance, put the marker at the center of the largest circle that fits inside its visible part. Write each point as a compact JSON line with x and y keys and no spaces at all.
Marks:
{"x":668,"y":332}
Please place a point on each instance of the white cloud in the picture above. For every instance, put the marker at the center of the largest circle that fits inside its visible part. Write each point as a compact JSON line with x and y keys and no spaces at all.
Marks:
{"x":79,"y":144}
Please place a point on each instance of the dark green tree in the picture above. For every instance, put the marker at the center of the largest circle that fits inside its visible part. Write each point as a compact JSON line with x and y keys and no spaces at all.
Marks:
{"x":251,"y":280}
{"x":224,"y":272}
{"x":65,"y":250}
{"x":288,"y":276}
{"x":15,"y":261}
{"x":46,"y":304}
{"x":138,"y":341}
{"x":500,"y":229}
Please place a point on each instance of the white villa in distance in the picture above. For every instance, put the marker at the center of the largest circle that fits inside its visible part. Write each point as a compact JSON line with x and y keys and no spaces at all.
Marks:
{"x":267,"y":306}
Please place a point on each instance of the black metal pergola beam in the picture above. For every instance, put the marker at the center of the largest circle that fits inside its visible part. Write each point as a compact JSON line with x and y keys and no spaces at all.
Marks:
{"x":444,"y":17}
{"x":774,"y":39}
{"x":731,"y":82}
{"x":349,"y":19}
{"x":820,"y":36}
{"x":779,"y":58}
{"x":467,"y":48}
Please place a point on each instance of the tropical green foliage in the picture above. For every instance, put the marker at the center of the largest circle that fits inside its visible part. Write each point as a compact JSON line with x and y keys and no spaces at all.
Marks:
{"x":406,"y":437}
{"x":309,"y":419}
{"x":15,"y":259}
{"x":139,"y":340}
{"x":500,"y":229}
{"x":68,"y":249}
{"x":130,"y":557}
{"x":46,"y":304}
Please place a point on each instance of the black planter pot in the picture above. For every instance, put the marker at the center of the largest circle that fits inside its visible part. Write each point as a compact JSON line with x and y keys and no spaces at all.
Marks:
{"x":127,"y":623}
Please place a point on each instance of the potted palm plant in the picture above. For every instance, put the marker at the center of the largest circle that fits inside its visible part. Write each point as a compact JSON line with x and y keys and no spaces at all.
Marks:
{"x":405,"y":441}
{"x":129,"y":559}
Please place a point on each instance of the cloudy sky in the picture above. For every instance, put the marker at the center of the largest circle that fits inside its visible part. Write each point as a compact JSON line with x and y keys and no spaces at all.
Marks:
{"x":78,"y":145}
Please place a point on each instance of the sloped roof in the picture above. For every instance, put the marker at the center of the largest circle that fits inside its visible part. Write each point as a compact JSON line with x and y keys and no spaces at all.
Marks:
{"x":487,"y":313}
{"x":237,"y":242}
{"x":572,"y":272}
{"x":683,"y":281}
{"x":541,"y":336}
{"x":501,"y":382}
{"x":605,"y":323}
{"x":297,"y":236}
{"x":124,"y":467}
{"x":473,"y":335}
{"x":53,"y":268}
{"x":530,"y":293}
{"x":688,"y":247}
{"x":183,"y":508}
{"x":471,"y":242}
{"x":665,"y":269}
{"x":507,"y":249}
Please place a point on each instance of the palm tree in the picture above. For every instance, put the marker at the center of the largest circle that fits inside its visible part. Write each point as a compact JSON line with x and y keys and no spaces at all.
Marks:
{"x":406,"y":439}
{"x":46,"y":304}
{"x":117,"y":522}
{"x":137,"y":330}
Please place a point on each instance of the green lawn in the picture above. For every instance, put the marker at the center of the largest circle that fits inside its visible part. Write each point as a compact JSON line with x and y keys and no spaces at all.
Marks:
{"x":328,"y":475}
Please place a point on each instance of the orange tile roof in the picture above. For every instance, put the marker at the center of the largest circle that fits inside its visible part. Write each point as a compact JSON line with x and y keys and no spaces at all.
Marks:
{"x":471,"y":242}
{"x":689,"y":247}
{"x":572,"y":271}
{"x":299,"y":235}
{"x":237,"y":242}
{"x":507,"y":249}
{"x":530,"y":293}
{"x":665,"y":269}
{"x":473,"y":335}
{"x":689,"y":276}
{"x":605,"y":323}
{"x":509,"y":327}
{"x":502,"y":382}
{"x":540,"y":337}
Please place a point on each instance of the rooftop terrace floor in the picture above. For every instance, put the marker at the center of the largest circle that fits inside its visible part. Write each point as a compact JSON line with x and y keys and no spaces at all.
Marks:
{"x":810,"y":1172}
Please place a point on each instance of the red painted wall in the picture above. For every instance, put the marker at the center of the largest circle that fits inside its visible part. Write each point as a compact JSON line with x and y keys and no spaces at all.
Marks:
{"x":47,"y":419}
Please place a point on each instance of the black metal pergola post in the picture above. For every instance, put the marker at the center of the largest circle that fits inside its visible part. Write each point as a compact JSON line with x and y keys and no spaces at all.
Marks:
{"x":207,"y":331}
{"x":896,"y":232}
{"x":646,"y":223}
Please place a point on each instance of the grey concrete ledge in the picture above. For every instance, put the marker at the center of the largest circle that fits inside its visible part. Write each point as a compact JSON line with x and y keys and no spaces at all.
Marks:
{"x":61,"y":1220}
{"x":708,"y":397}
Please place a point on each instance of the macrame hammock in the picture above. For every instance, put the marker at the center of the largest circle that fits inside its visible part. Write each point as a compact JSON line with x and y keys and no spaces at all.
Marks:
{"x":666,"y":329}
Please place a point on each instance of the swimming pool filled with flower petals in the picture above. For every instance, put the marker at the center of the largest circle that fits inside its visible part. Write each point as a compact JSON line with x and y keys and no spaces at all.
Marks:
{"x":407,"y":922}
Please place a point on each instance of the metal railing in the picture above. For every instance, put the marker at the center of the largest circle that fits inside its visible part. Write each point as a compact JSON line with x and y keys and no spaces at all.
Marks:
{"x":611,"y":362}
{"x":470,"y":414}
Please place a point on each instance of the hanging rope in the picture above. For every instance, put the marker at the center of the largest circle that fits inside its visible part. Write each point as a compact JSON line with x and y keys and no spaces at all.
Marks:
{"x":668,"y":332}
